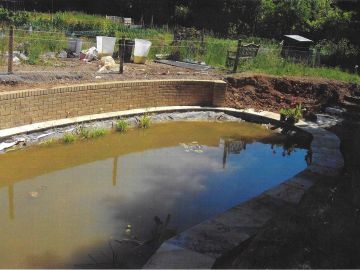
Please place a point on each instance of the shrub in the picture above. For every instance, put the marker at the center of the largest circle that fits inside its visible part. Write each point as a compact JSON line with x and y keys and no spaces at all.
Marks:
{"x":292,"y":115}
{"x":121,"y":126}
{"x":69,"y":138}
{"x":144,"y":121}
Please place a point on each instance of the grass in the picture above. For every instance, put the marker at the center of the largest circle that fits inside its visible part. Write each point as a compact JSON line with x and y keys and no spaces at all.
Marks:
{"x":144,"y":121}
{"x":69,"y":138}
{"x":97,"y":133}
{"x":271,"y":63}
{"x":91,"y":133}
{"x":122,"y":126}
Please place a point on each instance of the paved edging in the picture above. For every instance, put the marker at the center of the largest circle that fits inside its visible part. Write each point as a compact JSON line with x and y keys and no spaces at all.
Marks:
{"x":201,"y":245}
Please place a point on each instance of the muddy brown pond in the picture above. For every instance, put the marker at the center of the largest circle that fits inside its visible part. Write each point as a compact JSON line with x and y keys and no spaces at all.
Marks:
{"x":78,"y":205}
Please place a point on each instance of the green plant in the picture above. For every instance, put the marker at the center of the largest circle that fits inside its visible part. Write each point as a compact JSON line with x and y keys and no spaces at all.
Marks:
{"x":83,"y":132}
{"x":292,"y":115}
{"x":49,"y":142}
{"x":144,"y":121}
{"x":122,"y":126}
{"x":97,"y":132}
{"x":69,"y":138}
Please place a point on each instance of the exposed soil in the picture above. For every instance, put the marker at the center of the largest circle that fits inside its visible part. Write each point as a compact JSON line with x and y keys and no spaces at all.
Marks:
{"x":74,"y":71}
{"x":273,"y":93}
{"x":323,"y":231}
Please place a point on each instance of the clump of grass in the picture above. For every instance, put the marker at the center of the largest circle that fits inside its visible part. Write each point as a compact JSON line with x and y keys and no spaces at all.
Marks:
{"x":90,"y":133}
{"x":122,"y":126}
{"x":69,"y":138}
{"x":144,"y":121}
{"x":97,"y":132}
{"x":49,"y":142}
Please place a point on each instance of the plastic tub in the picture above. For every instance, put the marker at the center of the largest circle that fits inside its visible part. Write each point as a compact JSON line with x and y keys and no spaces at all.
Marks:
{"x":141,"y":51}
{"x":74,"y":45}
{"x":105,"y":45}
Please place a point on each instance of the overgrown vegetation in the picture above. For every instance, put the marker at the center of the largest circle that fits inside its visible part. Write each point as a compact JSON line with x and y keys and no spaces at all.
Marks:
{"x":121,"y":126}
{"x":268,"y":19}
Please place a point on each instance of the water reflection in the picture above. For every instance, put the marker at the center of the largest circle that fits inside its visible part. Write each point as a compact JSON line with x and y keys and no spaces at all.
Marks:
{"x":123,"y":196}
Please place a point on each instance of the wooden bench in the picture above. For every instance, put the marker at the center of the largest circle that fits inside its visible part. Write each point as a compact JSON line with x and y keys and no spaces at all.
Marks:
{"x":247,"y":51}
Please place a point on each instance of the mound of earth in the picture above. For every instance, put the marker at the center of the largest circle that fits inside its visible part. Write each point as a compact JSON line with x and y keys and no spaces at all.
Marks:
{"x":272,"y":93}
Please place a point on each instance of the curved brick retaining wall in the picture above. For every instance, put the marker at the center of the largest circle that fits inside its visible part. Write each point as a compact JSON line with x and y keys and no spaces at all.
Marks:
{"x":32,"y":106}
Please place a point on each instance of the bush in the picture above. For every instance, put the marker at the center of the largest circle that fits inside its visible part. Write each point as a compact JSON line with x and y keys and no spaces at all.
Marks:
{"x":121,"y":126}
{"x":144,"y":121}
{"x":292,"y":115}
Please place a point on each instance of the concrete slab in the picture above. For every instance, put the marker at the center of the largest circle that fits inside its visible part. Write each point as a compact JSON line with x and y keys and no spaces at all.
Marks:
{"x":170,"y":256}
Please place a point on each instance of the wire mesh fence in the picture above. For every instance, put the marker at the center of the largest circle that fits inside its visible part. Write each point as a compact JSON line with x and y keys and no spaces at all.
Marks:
{"x":50,"y":52}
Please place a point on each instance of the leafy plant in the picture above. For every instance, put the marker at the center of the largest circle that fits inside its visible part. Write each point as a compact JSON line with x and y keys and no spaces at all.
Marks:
{"x":144,"y":121}
{"x":122,"y":126}
{"x":69,"y":138}
{"x":291,"y":115}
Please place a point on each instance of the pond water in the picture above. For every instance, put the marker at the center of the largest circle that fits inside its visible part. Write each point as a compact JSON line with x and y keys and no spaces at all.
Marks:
{"x":61,"y":206}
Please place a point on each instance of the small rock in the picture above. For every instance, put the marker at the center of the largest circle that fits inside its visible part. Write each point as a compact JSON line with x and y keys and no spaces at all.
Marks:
{"x":34,"y":194}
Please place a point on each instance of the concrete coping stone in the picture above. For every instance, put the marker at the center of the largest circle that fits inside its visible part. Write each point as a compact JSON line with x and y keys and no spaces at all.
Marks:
{"x":202,"y":244}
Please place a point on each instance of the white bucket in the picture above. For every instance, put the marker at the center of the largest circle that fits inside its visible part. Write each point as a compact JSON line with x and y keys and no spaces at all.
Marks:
{"x":74,"y":45}
{"x":141,"y":50}
{"x":105,"y":45}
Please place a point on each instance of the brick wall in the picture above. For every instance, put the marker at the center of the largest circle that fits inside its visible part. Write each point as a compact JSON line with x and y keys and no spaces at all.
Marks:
{"x":38,"y":105}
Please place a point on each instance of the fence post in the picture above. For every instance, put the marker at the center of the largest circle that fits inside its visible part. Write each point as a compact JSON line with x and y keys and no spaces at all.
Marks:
{"x":236,"y":62}
{"x":317,"y":57}
{"x":11,"y":50}
{"x":202,"y":42}
{"x":122,"y":54}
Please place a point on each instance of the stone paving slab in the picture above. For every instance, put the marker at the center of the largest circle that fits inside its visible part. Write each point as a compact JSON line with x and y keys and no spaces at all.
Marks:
{"x":174,"y":257}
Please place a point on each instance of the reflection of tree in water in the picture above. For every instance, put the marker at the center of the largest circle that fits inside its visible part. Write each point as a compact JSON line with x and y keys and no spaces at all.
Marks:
{"x":232,"y":147}
{"x":130,"y":252}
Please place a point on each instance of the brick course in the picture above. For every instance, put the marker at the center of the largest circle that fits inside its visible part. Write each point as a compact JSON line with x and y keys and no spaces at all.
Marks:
{"x":37,"y":105}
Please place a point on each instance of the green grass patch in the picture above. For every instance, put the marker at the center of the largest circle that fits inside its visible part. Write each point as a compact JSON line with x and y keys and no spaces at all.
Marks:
{"x":69,"y":138}
{"x":144,"y":121}
{"x":271,"y":63}
{"x":90,"y":133}
{"x":97,"y":133}
{"x":122,"y":126}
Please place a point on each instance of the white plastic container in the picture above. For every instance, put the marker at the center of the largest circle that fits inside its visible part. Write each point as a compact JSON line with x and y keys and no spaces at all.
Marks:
{"x":105,"y":45}
{"x":75,"y":45}
{"x":141,"y":50}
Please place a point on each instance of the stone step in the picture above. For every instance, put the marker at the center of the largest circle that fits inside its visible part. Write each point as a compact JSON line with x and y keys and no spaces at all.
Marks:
{"x":351,"y":107}
{"x":352,"y":99}
{"x":352,"y":116}
{"x":357,"y":93}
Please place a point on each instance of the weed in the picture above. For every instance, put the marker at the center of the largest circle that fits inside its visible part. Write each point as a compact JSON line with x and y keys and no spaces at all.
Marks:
{"x":49,"y":142}
{"x":292,"y":115}
{"x":121,"y":126}
{"x":97,"y":132}
{"x":69,"y":138}
{"x":144,"y":121}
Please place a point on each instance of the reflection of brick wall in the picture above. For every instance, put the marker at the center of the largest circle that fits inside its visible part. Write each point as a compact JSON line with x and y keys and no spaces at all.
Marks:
{"x":38,"y":105}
